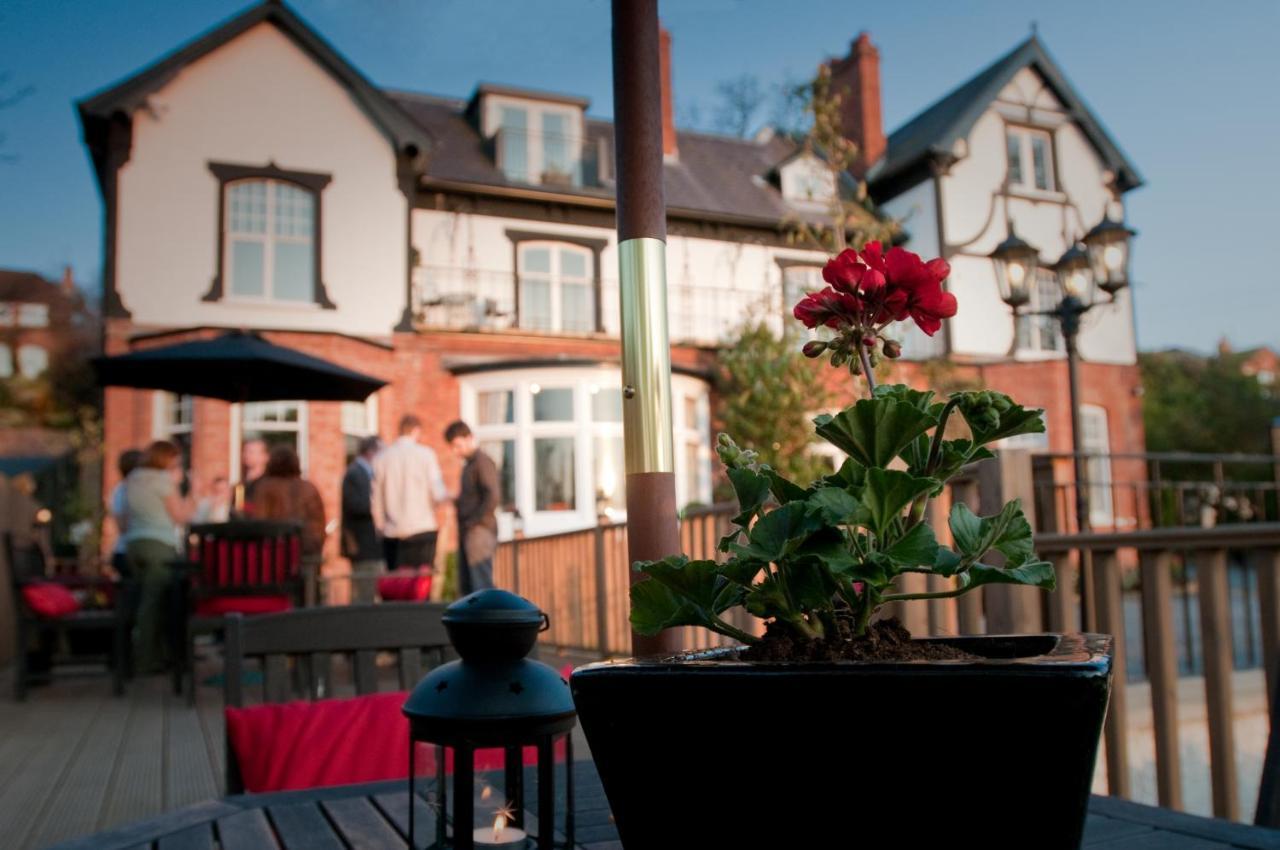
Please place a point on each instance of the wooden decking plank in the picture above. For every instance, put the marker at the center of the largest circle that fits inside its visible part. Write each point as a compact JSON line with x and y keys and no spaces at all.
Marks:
{"x":246,"y":830}
{"x":61,"y":727}
{"x":138,"y":782}
{"x":76,"y":806}
{"x":198,"y":837}
{"x":395,"y":807}
{"x":302,"y":826}
{"x":361,"y":824}
{"x":189,"y":774}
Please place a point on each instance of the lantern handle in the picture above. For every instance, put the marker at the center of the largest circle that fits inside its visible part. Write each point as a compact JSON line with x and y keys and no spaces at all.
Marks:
{"x":546,"y":622}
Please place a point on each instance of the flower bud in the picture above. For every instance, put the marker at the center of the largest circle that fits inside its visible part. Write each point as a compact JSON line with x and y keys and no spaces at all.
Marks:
{"x":814,"y":348}
{"x":838,"y":358}
{"x":869,"y":343}
{"x":892,"y":349}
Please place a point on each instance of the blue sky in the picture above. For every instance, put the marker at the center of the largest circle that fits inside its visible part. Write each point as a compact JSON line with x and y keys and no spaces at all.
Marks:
{"x":1187,"y":89}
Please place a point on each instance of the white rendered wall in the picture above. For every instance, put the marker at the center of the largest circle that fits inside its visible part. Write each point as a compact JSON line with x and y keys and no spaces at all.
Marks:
{"x":256,"y":100}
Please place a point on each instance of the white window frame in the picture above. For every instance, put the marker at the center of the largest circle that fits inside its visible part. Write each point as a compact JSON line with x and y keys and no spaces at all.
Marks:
{"x":584,"y":431}
{"x":173,"y":416}
{"x":239,"y":424}
{"x":25,"y":350}
{"x":7,"y":364}
{"x":555,"y":284}
{"x":1029,"y":329}
{"x":358,"y":419}
{"x":535,"y":134}
{"x":1095,"y":442}
{"x":33,"y":315}
{"x":269,"y":239}
{"x":1026,"y":157}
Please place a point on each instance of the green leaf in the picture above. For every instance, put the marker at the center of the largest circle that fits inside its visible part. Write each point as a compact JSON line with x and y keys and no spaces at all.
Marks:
{"x":919,"y":399}
{"x":835,"y":505}
{"x":947,"y":563}
{"x":778,"y":532}
{"x":654,"y":608}
{"x":784,"y":490}
{"x":752,"y":489}
{"x":874,"y":431}
{"x":1032,"y":571}
{"x":875,"y":570}
{"x":917,"y":548}
{"x":993,"y":416}
{"x":811,"y":585}
{"x":887,"y":493}
{"x":767,"y":599}
{"x":850,"y":476}
{"x":695,"y":581}
{"x":1008,"y":532}
{"x":741,"y":571}
{"x":830,"y":547}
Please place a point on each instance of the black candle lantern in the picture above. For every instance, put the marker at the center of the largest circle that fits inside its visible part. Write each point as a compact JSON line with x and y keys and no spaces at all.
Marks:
{"x":494,"y":697}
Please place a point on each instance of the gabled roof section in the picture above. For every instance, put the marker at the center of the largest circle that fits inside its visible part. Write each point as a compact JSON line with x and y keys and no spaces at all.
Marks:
{"x":97,"y":110}
{"x":934,"y":131}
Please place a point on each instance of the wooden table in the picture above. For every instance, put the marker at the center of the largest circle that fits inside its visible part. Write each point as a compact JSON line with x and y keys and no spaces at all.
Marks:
{"x":377,"y":816}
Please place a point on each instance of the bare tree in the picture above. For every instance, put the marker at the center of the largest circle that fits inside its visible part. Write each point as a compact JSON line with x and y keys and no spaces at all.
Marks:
{"x":10,"y":97}
{"x":739,"y":101}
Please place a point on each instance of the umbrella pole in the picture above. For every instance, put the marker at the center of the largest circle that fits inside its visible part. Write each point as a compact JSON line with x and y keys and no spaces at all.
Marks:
{"x":653,"y":525}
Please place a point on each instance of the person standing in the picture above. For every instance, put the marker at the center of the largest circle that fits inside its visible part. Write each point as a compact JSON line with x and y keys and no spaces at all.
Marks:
{"x":407,"y":488}
{"x":476,"y":507}
{"x":253,"y":466}
{"x":154,"y":511}
{"x":216,"y":506}
{"x":359,"y":536}
{"x":283,"y":494}
{"x":128,"y":461}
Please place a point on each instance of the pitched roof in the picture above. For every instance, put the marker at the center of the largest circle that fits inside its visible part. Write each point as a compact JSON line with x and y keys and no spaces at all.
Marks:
{"x":714,"y":175}
{"x":24,"y":287}
{"x":935,"y":130}
{"x":127,"y":95}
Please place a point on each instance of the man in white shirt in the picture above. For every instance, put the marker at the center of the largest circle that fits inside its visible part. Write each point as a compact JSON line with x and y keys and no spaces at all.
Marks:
{"x":407,"y":487}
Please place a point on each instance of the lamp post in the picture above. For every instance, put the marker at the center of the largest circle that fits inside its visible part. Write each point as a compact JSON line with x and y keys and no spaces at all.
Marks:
{"x":1098,"y":262}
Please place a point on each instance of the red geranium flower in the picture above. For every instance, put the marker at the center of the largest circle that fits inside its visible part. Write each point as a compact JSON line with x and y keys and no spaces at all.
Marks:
{"x":870,"y":289}
{"x":828,"y":307}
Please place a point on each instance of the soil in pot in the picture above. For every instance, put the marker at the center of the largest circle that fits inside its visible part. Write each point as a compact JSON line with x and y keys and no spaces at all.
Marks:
{"x":885,"y":640}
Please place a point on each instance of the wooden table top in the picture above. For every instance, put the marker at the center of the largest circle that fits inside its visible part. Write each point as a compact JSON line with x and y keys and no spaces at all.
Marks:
{"x":376,"y":816}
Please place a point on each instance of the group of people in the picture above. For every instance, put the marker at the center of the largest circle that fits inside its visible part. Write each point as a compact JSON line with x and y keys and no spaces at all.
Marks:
{"x":390,"y":497}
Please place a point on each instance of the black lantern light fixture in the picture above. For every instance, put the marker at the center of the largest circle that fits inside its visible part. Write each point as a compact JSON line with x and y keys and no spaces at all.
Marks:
{"x":493,"y":697}
{"x":1016,"y":264}
{"x":1100,"y":261}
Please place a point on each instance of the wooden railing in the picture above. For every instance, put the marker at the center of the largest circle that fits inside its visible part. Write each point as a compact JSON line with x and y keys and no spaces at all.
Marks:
{"x":582,"y":579}
{"x":1091,"y":595}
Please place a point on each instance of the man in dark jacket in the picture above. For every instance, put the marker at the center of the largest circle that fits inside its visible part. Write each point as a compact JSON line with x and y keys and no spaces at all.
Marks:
{"x":476,"y":505}
{"x":360,"y":541}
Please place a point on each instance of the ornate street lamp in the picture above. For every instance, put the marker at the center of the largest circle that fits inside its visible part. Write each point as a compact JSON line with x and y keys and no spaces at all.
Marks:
{"x":1101,"y":262}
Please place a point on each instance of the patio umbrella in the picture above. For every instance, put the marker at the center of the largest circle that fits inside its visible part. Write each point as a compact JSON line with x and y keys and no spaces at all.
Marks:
{"x":238,"y":366}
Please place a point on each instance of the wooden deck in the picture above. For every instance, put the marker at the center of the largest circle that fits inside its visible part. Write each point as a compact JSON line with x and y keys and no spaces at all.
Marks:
{"x":74,"y":760}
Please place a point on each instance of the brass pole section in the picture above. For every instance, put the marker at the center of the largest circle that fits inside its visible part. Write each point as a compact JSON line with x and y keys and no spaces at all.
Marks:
{"x":653,"y":526}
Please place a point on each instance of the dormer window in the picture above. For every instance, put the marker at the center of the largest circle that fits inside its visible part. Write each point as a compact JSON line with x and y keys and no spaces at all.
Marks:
{"x":806,"y":181}
{"x":537,"y":138}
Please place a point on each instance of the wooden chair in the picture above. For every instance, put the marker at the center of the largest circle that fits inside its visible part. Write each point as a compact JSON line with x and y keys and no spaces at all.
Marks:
{"x":27,"y":567}
{"x":311,"y":637}
{"x":245,"y":566}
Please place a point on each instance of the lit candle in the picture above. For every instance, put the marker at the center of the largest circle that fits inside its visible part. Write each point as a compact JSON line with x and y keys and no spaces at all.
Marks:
{"x":500,"y":836}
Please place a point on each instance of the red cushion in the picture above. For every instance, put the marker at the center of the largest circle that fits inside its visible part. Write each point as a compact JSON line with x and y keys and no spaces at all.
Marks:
{"x":294,"y":745}
{"x":49,"y":599}
{"x":220,"y":606}
{"x":405,"y":585}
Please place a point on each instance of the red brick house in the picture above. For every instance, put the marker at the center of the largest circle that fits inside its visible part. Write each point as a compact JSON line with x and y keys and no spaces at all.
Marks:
{"x":464,"y":250}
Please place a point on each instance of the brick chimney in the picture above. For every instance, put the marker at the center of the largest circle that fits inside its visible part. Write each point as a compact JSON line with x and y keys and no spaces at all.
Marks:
{"x":668,"y":96}
{"x":856,"y":78}
{"x":68,"y":281}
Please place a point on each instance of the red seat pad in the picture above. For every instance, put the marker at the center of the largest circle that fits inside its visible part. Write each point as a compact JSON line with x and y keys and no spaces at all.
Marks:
{"x":405,"y":585}
{"x":294,"y":745}
{"x":220,"y":606}
{"x":49,"y":599}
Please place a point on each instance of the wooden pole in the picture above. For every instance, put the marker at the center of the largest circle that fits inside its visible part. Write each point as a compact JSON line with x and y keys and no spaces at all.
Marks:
{"x":653,"y":526}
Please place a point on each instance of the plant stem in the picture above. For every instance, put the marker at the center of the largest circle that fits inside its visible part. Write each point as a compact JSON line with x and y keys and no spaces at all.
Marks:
{"x":737,"y":634}
{"x":866,"y":368}
{"x":906,"y":597}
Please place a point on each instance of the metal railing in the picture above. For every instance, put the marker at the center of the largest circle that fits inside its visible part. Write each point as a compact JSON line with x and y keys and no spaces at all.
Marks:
{"x":473,"y":299}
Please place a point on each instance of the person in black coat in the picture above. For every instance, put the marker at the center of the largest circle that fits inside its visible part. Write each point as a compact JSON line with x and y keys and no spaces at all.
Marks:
{"x":360,"y":543}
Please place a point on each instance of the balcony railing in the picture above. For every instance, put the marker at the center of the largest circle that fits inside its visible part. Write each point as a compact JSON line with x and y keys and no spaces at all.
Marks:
{"x":455,"y":298}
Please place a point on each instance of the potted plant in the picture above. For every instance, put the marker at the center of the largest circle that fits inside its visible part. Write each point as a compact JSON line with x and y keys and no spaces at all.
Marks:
{"x":835,"y":728}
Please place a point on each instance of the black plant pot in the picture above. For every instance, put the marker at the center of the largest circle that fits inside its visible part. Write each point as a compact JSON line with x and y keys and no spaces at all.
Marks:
{"x":703,"y":750}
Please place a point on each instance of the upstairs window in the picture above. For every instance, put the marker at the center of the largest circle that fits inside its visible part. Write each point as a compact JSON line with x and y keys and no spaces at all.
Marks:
{"x":1041,"y":334}
{"x":33,"y":360}
{"x":538,"y":146}
{"x":33,"y":315}
{"x":270,"y":225}
{"x":270,"y":241}
{"x":1030,"y":159}
{"x":556,"y":288}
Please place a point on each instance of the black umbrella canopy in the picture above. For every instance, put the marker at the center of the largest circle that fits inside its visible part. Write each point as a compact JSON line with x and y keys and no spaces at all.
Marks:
{"x":237,"y":366}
